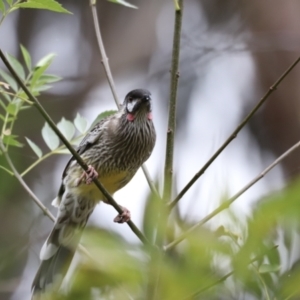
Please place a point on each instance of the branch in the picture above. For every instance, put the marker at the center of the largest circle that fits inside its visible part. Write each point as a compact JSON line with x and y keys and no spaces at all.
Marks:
{"x":234,"y":134}
{"x":104,"y":58}
{"x":70,"y":148}
{"x":228,"y":202}
{"x":109,"y":77}
{"x":168,"y":171}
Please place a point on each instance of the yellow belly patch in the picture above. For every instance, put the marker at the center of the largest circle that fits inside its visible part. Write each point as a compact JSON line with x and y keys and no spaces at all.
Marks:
{"x":111,"y":182}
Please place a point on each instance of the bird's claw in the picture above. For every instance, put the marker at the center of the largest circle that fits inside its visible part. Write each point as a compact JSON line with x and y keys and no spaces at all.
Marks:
{"x":89,"y":175}
{"x":125,"y":216}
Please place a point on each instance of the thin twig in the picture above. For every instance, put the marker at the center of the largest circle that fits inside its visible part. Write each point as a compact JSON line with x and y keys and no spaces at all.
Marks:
{"x":104,"y":58}
{"x":168,"y":170}
{"x":24,"y":185}
{"x":109,"y":77}
{"x":79,"y":160}
{"x":234,"y":134}
{"x":223,"y":278}
{"x":228,"y":202}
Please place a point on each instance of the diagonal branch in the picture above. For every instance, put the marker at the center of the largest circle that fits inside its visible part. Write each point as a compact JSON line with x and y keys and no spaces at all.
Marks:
{"x":228,"y":202}
{"x":109,"y":77}
{"x":234,"y":134}
{"x":70,"y":148}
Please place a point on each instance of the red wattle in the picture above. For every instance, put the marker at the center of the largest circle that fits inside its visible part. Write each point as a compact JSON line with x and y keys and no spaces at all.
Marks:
{"x":149,"y":116}
{"x":130,"y":117}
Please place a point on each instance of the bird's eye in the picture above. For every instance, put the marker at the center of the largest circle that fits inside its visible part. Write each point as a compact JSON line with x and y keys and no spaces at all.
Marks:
{"x":130,"y":99}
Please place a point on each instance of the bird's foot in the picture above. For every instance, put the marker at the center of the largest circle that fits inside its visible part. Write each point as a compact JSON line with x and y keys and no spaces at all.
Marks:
{"x":88,"y":176}
{"x":125,"y":216}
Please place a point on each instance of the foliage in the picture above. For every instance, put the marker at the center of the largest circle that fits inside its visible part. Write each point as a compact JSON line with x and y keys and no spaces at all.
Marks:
{"x":209,"y":264}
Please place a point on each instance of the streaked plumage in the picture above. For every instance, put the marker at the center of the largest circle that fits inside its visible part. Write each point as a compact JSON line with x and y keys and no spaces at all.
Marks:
{"x":115,"y":147}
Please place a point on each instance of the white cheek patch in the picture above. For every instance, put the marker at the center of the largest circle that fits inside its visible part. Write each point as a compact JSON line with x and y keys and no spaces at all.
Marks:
{"x":131,"y":105}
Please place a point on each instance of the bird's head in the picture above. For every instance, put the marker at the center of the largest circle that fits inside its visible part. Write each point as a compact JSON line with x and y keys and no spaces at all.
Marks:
{"x":137,"y":104}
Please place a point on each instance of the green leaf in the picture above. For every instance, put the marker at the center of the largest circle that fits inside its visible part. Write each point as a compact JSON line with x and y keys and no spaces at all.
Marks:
{"x":12,"y":83}
{"x":36,"y":149}
{"x":124,"y":3}
{"x":9,"y":2}
{"x":48,"y":78}
{"x":102,"y":116}
{"x":80,"y":123}
{"x":12,"y":108}
{"x":67,"y":128}
{"x":46,"y":60}
{"x":44,"y":4}
{"x":41,"y":67}
{"x":50,"y":137}
{"x":16,"y":65}
{"x":267,"y":268}
{"x":2,"y":6}
{"x":40,"y":88}
{"x":27,"y":57}
{"x":11,"y":140}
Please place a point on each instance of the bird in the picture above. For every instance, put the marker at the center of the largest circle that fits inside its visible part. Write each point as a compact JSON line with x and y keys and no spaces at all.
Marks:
{"x":113,"y":149}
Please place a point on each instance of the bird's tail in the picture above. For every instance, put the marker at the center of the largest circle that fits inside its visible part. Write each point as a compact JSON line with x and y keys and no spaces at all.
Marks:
{"x":56,"y":260}
{"x":59,"y":249}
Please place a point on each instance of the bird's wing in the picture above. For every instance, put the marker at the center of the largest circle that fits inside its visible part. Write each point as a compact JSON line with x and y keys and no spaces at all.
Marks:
{"x":89,"y":139}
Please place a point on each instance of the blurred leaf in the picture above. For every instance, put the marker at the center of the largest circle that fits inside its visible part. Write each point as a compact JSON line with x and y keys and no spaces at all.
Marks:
{"x":266,"y":268}
{"x":273,"y":256}
{"x":34,"y":147}
{"x":50,"y":137}
{"x":11,"y":140}
{"x":12,"y":108}
{"x":16,"y":65}
{"x":48,"y":78}
{"x":150,"y":216}
{"x":124,"y":3}
{"x":26,"y":57}
{"x":41,"y":67}
{"x":80,"y":123}
{"x":12,"y":83}
{"x":67,"y":128}
{"x":2,"y":6}
{"x":44,"y":4}
{"x":38,"y":89}
{"x":45,"y":61}
{"x":102,"y":116}
{"x":9,"y":1}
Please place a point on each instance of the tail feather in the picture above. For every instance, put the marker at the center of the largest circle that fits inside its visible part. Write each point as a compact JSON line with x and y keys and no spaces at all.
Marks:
{"x":53,"y":270}
{"x":60,"y":247}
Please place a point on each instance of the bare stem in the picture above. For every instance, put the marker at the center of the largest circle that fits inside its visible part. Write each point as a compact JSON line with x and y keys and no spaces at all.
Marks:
{"x":234,"y":134}
{"x":109,"y":77}
{"x":168,"y":171}
{"x":228,"y":202}
{"x":70,"y":148}
{"x":104,"y":58}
